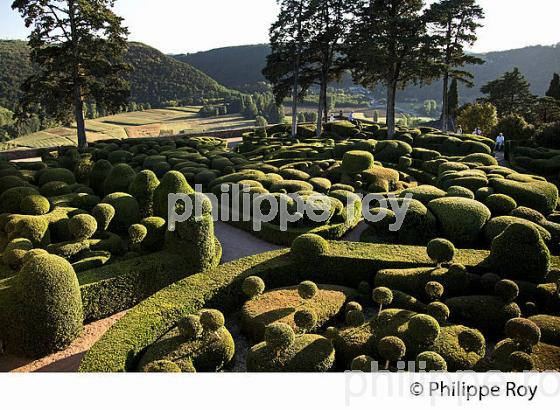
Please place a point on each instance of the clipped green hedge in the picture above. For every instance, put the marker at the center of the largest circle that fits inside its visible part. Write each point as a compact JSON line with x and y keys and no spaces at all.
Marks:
{"x":345,"y":264}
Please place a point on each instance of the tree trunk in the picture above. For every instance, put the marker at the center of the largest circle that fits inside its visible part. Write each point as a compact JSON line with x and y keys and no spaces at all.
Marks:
{"x":391,"y":98}
{"x":295,"y":98}
{"x":79,"y":114}
{"x":77,"y":89}
{"x":326,"y":101}
{"x":320,"y":114}
{"x":445,"y":106}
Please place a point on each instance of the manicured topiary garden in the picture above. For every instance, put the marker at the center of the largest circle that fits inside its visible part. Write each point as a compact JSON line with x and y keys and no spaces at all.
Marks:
{"x":469,"y":282}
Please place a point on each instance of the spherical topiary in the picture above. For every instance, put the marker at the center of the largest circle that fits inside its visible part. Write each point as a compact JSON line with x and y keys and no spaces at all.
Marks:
{"x":142,"y":188}
{"x":305,"y":319}
{"x":51,"y":305}
{"x":32,"y":253}
{"x":56,"y":174}
{"x":355,"y":318}
{"x":190,"y":327}
{"x":361,"y":364}
{"x":438,"y":311}
{"x":307,"y":248}
{"x":430,"y":362}
{"x":530,"y":309}
{"x":507,"y":290}
{"x":352,"y":306}
{"x":212,"y":320}
{"x":172,"y":182}
{"x":253,"y":286}
{"x":500,"y":204}
{"x":354,"y":162}
{"x":10,"y":200}
{"x":459,"y":192}
{"x":127,"y":211}
{"x":307,"y":289}
{"x":82,"y":226}
{"x":488,"y":282}
{"x":391,"y":348}
{"x":103,"y":214}
{"x":521,"y":362}
{"x":523,"y":331}
{"x":137,"y":233}
{"x":35,"y":205}
{"x":434,"y":290}
{"x":162,"y":366}
{"x":382,"y":296}
{"x":279,"y":336}
{"x":331,"y":332}
{"x":441,"y":251}
{"x":119,"y":179}
{"x":423,"y":328}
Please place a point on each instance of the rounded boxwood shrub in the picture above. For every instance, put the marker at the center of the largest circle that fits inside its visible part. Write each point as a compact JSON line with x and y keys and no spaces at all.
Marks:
{"x":423,"y":328}
{"x":305,"y":319}
{"x":190,"y":327}
{"x":253,"y":286}
{"x":35,"y":205}
{"x":55,"y":188}
{"x":430,"y":362}
{"x":523,"y":331}
{"x":434,"y":290}
{"x":142,"y":188}
{"x":355,"y":318}
{"x":521,"y":362}
{"x":500,"y":204}
{"x":507,"y":290}
{"x":424,"y":193}
{"x":391,"y":348}
{"x":354,"y":162}
{"x":361,"y":363}
{"x":352,"y":306}
{"x":162,"y":366}
{"x":211,"y":320}
{"x":520,"y":253}
{"x":56,"y":174}
{"x":459,"y":192}
{"x":382,"y":296}
{"x":82,"y":226}
{"x":438,"y":311}
{"x":155,"y":236}
{"x":307,"y":289}
{"x":538,"y":195}
{"x":137,"y":233}
{"x":51,"y":305}
{"x":99,"y":173}
{"x":172,"y":182}
{"x":127,"y":210}
{"x":279,"y":336}
{"x":308,"y":248}
{"x":460,"y":346}
{"x":441,"y":251}
{"x":461,"y":219}
{"x":119,"y":179}
{"x":10,"y":200}
{"x":103,"y":214}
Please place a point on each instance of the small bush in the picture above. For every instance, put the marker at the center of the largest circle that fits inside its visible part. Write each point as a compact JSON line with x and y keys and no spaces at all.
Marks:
{"x":103,"y":214}
{"x":307,"y":289}
{"x":523,"y":331}
{"x":441,"y":251}
{"x":253,"y":286}
{"x":305,"y":319}
{"x":361,"y":364}
{"x":82,"y":226}
{"x":430,"y":362}
{"x":500,"y":204}
{"x":355,"y":162}
{"x":355,"y":318}
{"x":162,"y":366}
{"x":190,"y":327}
{"x":279,"y":336}
{"x":35,"y":205}
{"x":434,"y":290}
{"x":438,"y":311}
{"x":391,"y":348}
{"x":211,"y":320}
{"x":507,"y":290}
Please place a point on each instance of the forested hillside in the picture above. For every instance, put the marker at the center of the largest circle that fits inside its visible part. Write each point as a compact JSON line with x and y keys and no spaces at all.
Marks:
{"x":156,"y":80}
{"x":240,"y":67}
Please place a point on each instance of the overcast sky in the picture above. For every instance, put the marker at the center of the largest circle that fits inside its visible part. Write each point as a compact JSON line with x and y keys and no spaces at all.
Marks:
{"x":180,"y":26}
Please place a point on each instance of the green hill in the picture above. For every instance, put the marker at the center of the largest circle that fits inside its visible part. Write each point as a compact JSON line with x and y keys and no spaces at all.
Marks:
{"x":240,"y":68}
{"x":157,"y":78}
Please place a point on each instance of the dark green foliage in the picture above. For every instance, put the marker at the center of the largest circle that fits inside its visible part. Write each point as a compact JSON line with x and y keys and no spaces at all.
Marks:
{"x":460,"y":346}
{"x":361,"y":363}
{"x":355,"y":162}
{"x":51,"y":314}
{"x":11,"y":199}
{"x":355,"y":318}
{"x":211,"y":320}
{"x":391,"y":348}
{"x":142,"y":188}
{"x":438,"y":311}
{"x":524,"y":332}
{"x":278,"y":336}
{"x":35,"y":205}
{"x":127,"y":210}
{"x":441,"y":251}
{"x":382,"y":296}
{"x":190,"y":327}
{"x":136,"y":234}
{"x":119,"y":179}
{"x":521,"y":362}
{"x":103,"y":214}
{"x":520,"y":253}
{"x":507,"y":290}
{"x":500,"y":204}
{"x":510,"y":94}
{"x":307,"y":290}
{"x":56,"y":174}
{"x":162,"y":366}
{"x":305,"y":319}
{"x":430,"y":362}
{"x":308,"y":247}
{"x":155,"y":235}
{"x":538,"y":195}
{"x":99,"y":173}
{"x":82,"y":226}
{"x":434,"y":290}
{"x":172,"y":182}
{"x":253,"y":286}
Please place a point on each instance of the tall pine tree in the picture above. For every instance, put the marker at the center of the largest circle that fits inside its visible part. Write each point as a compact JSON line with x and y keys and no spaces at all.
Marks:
{"x":454,"y":24}
{"x":289,"y":39}
{"x":554,"y":89}
{"x":510,"y":94}
{"x":78,"y":47}
{"x":389,"y":45}
{"x":453,"y":99}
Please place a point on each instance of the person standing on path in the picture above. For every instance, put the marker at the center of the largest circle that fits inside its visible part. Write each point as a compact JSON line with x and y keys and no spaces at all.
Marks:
{"x":500,"y":142}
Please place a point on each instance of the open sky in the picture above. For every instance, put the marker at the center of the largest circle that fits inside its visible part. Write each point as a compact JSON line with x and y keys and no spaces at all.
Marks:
{"x":180,"y":26}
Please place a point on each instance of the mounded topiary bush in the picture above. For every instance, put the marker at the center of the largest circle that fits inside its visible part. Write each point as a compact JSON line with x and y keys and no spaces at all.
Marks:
{"x":308,"y":247}
{"x":49,"y":305}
